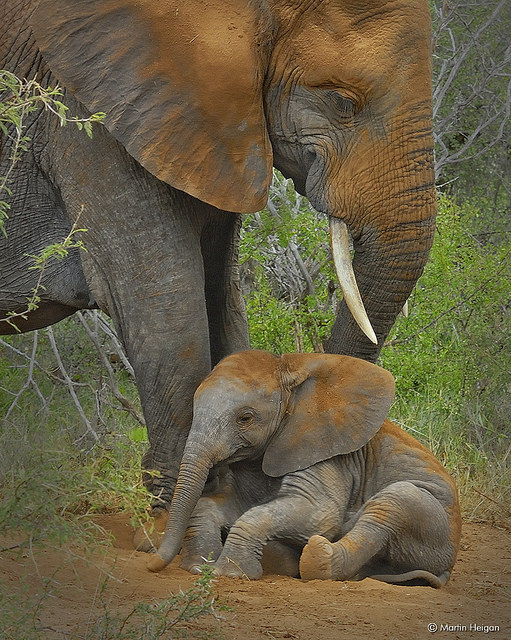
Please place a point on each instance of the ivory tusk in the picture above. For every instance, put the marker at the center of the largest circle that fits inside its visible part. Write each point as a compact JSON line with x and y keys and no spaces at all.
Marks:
{"x":344,"y":269}
{"x":404,"y":310}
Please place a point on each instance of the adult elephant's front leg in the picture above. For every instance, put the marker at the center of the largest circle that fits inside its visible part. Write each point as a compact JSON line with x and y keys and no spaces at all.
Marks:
{"x":228,"y":326}
{"x":167,"y":339}
{"x":144,"y":266}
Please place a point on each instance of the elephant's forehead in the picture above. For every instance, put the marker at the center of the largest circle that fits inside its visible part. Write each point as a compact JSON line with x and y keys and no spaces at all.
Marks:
{"x":227,"y":395}
{"x":340,"y":44}
{"x":250,"y":372}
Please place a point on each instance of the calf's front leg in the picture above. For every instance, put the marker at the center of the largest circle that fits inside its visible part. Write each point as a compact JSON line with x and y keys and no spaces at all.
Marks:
{"x":203,"y":540}
{"x":232,"y":491}
{"x":287,"y":519}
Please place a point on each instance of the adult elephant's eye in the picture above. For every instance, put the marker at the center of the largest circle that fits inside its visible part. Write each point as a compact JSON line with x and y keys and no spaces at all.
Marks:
{"x":343,"y":105}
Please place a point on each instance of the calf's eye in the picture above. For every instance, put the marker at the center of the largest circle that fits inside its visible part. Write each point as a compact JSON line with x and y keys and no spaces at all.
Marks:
{"x":245,"y":418}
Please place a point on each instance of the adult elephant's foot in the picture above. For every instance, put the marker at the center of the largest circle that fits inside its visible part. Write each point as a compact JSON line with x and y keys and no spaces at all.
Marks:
{"x":149,"y":536}
{"x":317,"y":559}
{"x":248,"y":568}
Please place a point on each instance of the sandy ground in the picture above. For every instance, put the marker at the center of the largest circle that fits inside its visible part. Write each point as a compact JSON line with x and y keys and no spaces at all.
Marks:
{"x":275,"y":607}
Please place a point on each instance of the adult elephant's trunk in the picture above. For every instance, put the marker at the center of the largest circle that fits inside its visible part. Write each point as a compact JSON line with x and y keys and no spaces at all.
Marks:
{"x":386,"y":266}
{"x":386,"y":198}
{"x":193,"y":474}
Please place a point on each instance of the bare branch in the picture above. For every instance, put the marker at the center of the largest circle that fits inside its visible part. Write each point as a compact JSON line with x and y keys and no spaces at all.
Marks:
{"x":109,"y":332}
{"x":114,"y":388}
{"x":472,"y":80}
{"x":30,"y":378}
{"x":70,"y":385}
{"x":309,"y":288}
{"x":459,"y":57}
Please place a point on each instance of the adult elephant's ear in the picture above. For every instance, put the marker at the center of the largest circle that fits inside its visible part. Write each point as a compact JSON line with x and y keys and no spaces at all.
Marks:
{"x":336,"y":405}
{"x":181,"y":85}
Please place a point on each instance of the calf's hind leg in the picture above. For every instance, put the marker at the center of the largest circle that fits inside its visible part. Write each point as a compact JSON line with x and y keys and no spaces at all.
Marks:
{"x":400,"y":529}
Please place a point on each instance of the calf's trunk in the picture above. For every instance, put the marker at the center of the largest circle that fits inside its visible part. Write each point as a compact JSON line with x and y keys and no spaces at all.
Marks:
{"x":193,"y":474}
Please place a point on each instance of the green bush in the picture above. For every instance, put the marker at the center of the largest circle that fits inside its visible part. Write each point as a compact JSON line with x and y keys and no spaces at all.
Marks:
{"x":287,"y":310}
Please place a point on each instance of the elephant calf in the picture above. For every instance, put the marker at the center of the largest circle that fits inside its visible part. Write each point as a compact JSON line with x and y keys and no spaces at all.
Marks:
{"x":314,"y":465}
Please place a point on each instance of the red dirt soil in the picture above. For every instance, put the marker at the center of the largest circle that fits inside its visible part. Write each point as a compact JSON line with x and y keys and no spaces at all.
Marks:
{"x":275,"y":607}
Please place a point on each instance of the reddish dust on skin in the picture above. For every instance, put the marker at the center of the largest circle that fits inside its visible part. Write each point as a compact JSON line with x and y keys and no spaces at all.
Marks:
{"x":274,"y":607}
{"x":406,"y":444}
{"x":259,"y":370}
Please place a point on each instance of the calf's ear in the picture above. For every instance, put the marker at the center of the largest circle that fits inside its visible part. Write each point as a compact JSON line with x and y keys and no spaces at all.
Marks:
{"x":336,"y":405}
{"x":180,"y":83}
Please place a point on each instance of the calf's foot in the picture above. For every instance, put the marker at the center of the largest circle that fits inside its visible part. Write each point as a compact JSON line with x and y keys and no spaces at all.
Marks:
{"x":316,"y":559}
{"x":193,"y":564}
{"x":193,"y":559}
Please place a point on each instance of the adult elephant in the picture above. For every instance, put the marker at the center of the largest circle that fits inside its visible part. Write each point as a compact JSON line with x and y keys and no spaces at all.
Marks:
{"x":201,"y":97}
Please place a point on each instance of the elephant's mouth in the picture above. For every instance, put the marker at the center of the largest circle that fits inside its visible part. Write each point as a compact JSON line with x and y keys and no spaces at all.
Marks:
{"x":291,"y":170}
{"x":316,"y":180}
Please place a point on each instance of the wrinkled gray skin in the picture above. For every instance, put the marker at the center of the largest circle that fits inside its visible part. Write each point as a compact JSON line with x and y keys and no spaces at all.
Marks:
{"x":312,"y":468}
{"x":162,"y":263}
